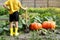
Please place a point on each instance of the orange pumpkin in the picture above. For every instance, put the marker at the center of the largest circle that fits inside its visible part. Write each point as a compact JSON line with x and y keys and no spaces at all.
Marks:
{"x":49,"y":25}
{"x":35,"y":26}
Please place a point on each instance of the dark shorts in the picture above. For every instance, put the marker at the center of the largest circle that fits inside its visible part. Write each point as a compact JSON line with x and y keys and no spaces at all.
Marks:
{"x":14,"y":16}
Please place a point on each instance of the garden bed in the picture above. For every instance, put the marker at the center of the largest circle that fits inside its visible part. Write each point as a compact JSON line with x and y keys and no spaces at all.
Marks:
{"x":33,"y":35}
{"x":39,"y":14}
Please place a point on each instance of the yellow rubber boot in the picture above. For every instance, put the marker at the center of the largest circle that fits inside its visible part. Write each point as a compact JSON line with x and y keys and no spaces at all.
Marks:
{"x":16,"y":32}
{"x":11,"y":31}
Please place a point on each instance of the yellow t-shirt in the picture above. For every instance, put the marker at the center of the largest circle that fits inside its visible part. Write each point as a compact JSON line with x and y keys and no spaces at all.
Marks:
{"x":13,"y":5}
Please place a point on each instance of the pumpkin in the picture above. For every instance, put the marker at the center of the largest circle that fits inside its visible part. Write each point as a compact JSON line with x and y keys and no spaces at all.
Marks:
{"x":35,"y":26}
{"x":49,"y":24}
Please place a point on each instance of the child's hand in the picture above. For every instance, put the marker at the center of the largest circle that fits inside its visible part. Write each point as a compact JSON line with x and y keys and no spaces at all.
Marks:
{"x":25,"y":8}
{"x":8,"y":8}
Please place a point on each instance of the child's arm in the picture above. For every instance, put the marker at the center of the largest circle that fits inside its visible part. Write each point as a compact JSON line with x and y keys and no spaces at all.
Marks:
{"x":22,"y":6}
{"x":5,"y":5}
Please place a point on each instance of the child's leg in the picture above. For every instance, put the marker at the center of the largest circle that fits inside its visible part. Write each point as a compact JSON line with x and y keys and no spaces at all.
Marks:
{"x":16,"y":24}
{"x":11,"y":28}
{"x":16,"y":19}
{"x":16,"y":28}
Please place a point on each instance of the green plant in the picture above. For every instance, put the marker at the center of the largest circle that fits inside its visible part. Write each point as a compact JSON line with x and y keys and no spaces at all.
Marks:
{"x":3,"y":11}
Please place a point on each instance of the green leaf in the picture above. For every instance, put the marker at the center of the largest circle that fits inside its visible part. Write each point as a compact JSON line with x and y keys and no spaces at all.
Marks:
{"x":1,"y":30}
{"x":6,"y":29}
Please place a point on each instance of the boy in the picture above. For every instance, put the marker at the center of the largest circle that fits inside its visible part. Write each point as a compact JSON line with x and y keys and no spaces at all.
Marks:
{"x":13,"y":7}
